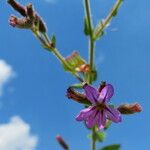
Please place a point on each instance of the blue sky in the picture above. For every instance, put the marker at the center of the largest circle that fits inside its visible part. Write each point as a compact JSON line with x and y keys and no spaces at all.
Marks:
{"x":33,"y":94}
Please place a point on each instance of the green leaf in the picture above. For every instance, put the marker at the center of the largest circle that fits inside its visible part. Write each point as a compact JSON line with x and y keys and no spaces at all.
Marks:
{"x":53,"y":40}
{"x":74,"y":61}
{"x":115,"y":13}
{"x":100,"y":136}
{"x":78,"y":85}
{"x":86,"y":27}
{"x":93,"y":76}
{"x":112,"y":147}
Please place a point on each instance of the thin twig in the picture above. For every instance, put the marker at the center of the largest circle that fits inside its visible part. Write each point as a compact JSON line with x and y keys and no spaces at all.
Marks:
{"x":102,"y":25}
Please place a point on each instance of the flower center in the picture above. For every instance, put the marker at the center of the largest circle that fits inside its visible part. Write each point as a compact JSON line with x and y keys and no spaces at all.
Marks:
{"x":100,"y":106}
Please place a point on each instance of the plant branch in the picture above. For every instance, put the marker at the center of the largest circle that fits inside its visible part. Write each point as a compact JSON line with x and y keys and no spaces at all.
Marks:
{"x":91,"y":41}
{"x":46,"y":42}
{"x":93,"y":138}
{"x":91,"y":55}
{"x":102,"y":25}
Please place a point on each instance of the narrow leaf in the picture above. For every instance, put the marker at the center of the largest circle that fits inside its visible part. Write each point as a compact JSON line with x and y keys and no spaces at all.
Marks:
{"x":86,"y":27}
{"x":77,"y":85}
{"x":53,"y":40}
{"x":100,"y":136}
{"x":112,"y":147}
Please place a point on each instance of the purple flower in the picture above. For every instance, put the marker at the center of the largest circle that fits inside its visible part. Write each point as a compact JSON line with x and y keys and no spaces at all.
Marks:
{"x":100,"y":111}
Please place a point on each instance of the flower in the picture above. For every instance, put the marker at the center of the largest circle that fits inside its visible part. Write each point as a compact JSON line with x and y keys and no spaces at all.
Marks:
{"x":99,"y":111}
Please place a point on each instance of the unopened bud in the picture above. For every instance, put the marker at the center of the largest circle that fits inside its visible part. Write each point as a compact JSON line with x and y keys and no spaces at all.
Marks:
{"x":31,"y":19}
{"x":40,"y":24}
{"x":62,"y":143}
{"x":130,"y":108}
{"x":76,"y":96}
{"x":18,"y":7}
{"x":101,"y":86}
{"x":22,"y":23}
{"x":30,"y":11}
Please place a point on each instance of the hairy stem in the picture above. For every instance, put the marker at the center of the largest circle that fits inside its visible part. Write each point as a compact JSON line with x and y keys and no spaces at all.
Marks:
{"x":102,"y":25}
{"x":91,"y":41}
{"x":91,"y":55}
{"x":47,"y":43}
{"x":93,"y":138}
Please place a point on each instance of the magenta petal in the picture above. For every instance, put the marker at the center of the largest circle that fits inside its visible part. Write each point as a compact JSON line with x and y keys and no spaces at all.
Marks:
{"x":113,"y":114}
{"x":91,"y":93}
{"x":101,"y":120}
{"x":91,"y":121}
{"x":85,"y":113}
{"x":106,"y":93}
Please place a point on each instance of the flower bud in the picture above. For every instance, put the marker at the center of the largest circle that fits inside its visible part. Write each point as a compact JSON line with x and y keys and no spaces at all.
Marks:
{"x":101,"y":86}
{"x":22,"y":23}
{"x":130,"y":108}
{"x":18,"y":7}
{"x":30,"y":11}
{"x":30,"y":21}
{"x":40,"y":23}
{"x":76,"y":96}
{"x":62,"y":143}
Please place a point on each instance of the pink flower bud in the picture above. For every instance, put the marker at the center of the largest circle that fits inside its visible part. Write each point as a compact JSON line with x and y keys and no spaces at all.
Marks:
{"x":18,"y":7}
{"x":62,"y":143}
{"x":76,"y":96}
{"x":130,"y":108}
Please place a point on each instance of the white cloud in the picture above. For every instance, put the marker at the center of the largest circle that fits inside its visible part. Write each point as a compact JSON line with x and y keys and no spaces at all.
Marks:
{"x":16,"y":135}
{"x":6,"y":73}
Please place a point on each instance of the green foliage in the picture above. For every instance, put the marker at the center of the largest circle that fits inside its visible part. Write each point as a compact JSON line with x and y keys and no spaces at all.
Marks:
{"x":74,"y":62}
{"x":53,"y":39}
{"x":86,"y":27}
{"x":115,"y":13}
{"x":93,"y":75}
{"x":112,"y":147}
{"x":77,"y":85}
{"x":98,"y":136}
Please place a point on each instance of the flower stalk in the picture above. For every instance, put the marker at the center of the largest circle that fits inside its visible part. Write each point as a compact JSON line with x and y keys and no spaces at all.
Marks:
{"x":49,"y":47}
{"x":91,"y":41}
{"x":98,"y":113}
{"x":103,"y":24}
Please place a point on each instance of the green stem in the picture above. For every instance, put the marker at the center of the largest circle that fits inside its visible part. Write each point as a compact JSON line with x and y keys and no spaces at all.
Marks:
{"x":62,"y":60}
{"x":102,"y":25}
{"x":47,"y":44}
{"x":93,"y":139}
{"x":91,"y":56}
{"x":88,"y":15}
{"x":91,"y":41}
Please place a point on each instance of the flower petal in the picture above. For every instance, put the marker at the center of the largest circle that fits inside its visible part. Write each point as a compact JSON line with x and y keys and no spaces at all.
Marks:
{"x":101,"y":120}
{"x":106,"y":93}
{"x":85,"y":113}
{"x":91,"y":121}
{"x":113,"y":114}
{"x":91,"y":93}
